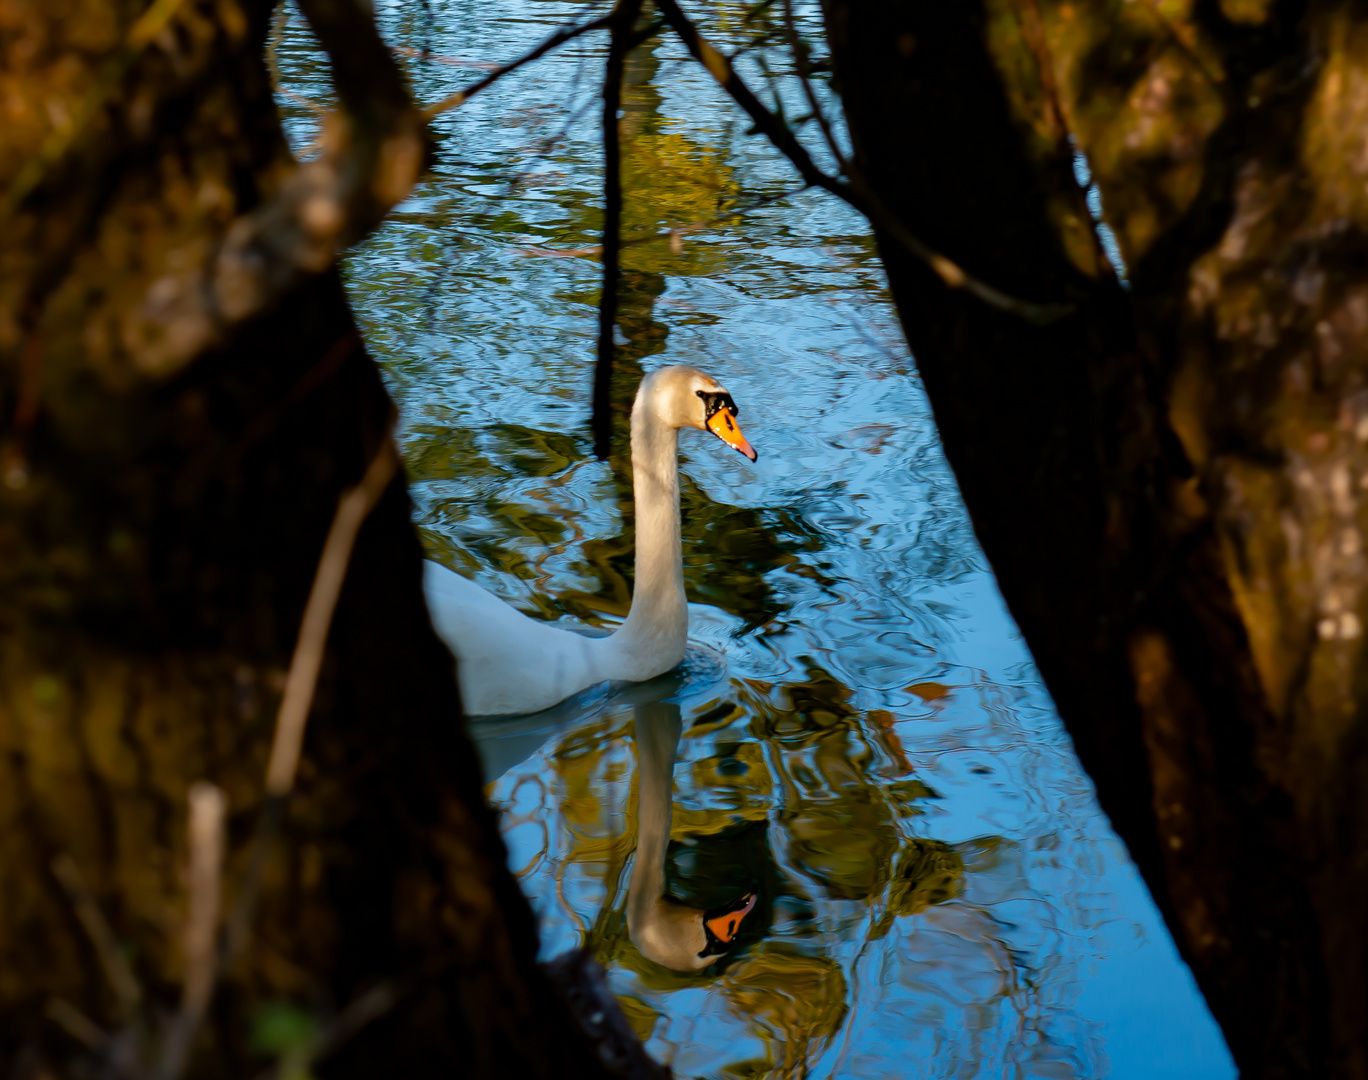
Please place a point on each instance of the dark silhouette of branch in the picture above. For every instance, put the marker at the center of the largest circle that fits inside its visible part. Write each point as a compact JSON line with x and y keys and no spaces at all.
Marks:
{"x":112,"y":959}
{"x":622,"y":20}
{"x":566,"y":33}
{"x":804,"y":69}
{"x":278,"y":23}
{"x":854,"y":191}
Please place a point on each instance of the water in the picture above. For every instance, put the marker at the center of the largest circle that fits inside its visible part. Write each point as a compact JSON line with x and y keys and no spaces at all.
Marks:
{"x":865,"y":744}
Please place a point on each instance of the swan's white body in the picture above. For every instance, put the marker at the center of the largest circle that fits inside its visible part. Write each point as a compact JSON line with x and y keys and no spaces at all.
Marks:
{"x":509,"y":663}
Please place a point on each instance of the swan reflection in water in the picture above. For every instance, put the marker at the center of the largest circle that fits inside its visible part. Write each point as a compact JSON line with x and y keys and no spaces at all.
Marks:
{"x":793,"y":830}
{"x":663,"y":927}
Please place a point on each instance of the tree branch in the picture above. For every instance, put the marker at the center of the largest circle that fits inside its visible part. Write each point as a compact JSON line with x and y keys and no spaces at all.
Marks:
{"x":207,"y":807}
{"x":566,"y":33}
{"x":375,"y":149}
{"x":855,"y":192}
{"x":116,"y":968}
{"x":353,"y":508}
{"x":800,"y":63}
{"x":621,"y":21}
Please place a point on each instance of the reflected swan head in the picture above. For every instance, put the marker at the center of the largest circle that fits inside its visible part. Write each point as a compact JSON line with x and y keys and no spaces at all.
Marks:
{"x":684,"y":397}
{"x":684,"y":938}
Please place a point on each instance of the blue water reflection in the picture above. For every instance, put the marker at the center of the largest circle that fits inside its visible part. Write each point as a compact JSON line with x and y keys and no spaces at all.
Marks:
{"x":865,"y":738}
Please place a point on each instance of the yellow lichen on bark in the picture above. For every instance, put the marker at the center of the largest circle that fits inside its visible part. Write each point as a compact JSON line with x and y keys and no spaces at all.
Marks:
{"x":1335,"y":139}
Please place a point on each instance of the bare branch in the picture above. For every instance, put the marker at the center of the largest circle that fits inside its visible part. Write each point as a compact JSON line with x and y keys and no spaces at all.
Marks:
{"x":92,"y":920}
{"x":622,"y":19}
{"x":800,"y":63}
{"x":855,"y":192}
{"x":207,"y":806}
{"x":374,"y":150}
{"x":278,"y":22}
{"x":566,"y":33}
{"x":433,"y":58}
{"x":674,"y":235}
{"x":352,"y":509}
{"x":354,"y":505}
{"x":77,"y":1024}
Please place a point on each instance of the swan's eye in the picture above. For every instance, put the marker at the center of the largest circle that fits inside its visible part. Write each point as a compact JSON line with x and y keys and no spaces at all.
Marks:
{"x":715,"y":401}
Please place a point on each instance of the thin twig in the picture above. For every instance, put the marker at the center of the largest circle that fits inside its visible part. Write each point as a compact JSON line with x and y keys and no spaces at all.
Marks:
{"x":543,"y":146}
{"x":121,"y":978}
{"x":421,"y":54}
{"x":621,"y":21}
{"x":278,"y":23}
{"x":673,"y":235}
{"x":560,"y":37}
{"x":364,"y":1010}
{"x":207,"y":807}
{"x":77,"y":1024}
{"x":800,"y":63}
{"x":353,"y":507}
{"x":854,"y":192}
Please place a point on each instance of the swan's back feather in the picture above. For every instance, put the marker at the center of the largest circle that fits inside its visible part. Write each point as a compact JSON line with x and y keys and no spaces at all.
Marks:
{"x":508,"y":662}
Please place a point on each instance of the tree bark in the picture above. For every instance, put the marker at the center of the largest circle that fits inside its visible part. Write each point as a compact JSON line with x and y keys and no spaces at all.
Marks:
{"x":183,"y":396}
{"x":1168,"y":480}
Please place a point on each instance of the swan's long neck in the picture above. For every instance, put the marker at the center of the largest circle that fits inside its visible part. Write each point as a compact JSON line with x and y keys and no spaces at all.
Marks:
{"x":657,"y":626}
{"x":668,"y":933}
{"x":657,"y":738}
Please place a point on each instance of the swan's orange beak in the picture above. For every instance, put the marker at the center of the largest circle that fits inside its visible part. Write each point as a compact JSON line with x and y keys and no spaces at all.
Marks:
{"x":723,"y":424}
{"x":724,"y":927}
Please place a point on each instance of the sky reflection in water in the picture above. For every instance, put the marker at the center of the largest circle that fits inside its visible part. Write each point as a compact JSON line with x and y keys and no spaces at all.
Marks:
{"x":865,"y":740}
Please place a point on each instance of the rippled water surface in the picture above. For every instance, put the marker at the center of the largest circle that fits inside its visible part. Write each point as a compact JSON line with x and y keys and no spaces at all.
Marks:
{"x":866,"y":744}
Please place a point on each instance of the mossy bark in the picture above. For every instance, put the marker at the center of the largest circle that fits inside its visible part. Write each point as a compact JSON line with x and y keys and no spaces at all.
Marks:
{"x":173,"y":452}
{"x":1169,"y":481}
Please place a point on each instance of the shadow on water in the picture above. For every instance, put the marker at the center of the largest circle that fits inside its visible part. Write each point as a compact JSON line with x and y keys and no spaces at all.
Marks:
{"x":858,"y":737}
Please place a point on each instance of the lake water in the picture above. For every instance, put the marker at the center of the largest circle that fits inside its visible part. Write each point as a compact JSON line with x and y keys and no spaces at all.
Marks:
{"x":866,"y":743}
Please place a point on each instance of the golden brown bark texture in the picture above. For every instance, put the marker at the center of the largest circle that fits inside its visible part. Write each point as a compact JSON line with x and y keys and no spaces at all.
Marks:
{"x":182,"y":399}
{"x":1170,"y":482}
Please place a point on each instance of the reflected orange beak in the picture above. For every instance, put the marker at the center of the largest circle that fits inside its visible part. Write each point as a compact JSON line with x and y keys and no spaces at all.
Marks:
{"x":723,"y":424}
{"x":724,"y":927}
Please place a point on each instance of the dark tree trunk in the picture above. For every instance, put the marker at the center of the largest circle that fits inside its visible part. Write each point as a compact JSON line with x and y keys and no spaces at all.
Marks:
{"x":183,"y":396}
{"x":1168,"y":480}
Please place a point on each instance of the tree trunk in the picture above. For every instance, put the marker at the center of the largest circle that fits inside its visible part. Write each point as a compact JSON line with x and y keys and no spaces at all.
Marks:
{"x":1168,"y":481}
{"x":183,"y":396}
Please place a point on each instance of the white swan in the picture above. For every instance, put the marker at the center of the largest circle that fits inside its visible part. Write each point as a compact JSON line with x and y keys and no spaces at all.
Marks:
{"x":665,"y":930}
{"x":509,"y":663}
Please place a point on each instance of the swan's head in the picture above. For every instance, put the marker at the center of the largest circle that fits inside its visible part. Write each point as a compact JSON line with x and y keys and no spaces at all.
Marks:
{"x":684,"y":938}
{"x":684,"y":397}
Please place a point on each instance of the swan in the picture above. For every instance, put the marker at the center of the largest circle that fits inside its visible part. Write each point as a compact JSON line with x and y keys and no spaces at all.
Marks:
{"x":665,"y":930}
{"x":509,"y":663}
